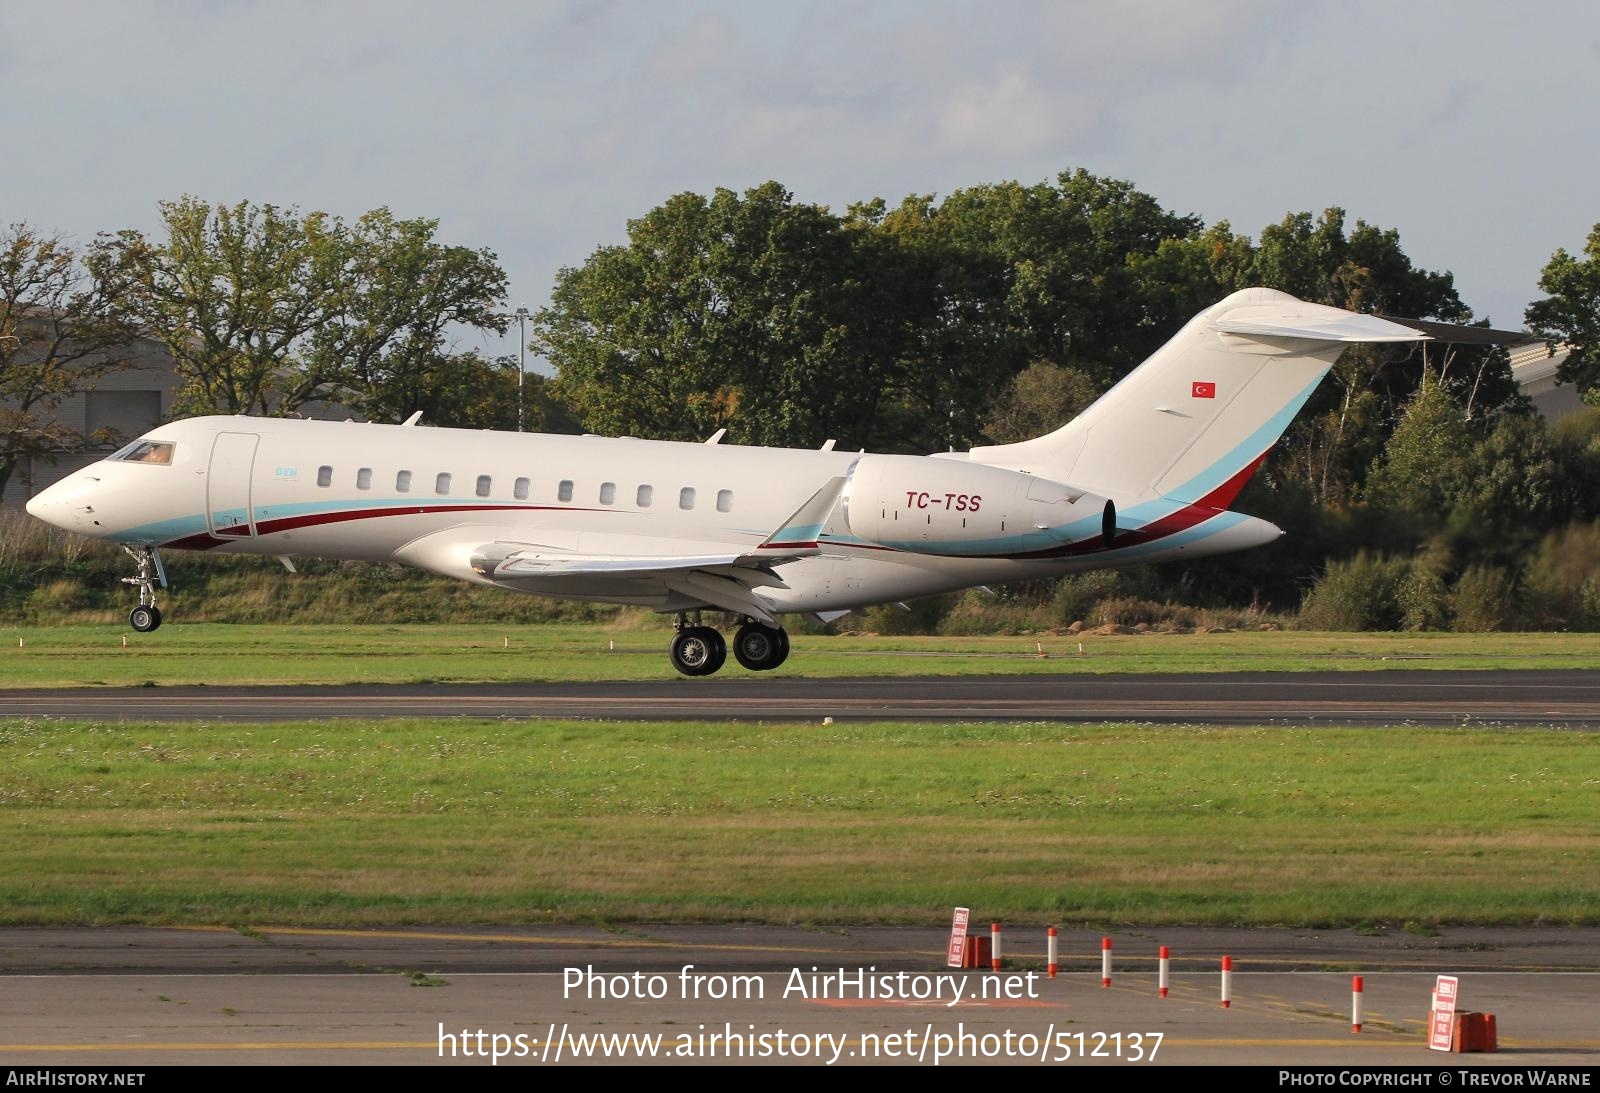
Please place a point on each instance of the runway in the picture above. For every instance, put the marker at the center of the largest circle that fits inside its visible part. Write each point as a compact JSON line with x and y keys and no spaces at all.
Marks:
{"x":135,"y":997}
{"x":1557,"y":698}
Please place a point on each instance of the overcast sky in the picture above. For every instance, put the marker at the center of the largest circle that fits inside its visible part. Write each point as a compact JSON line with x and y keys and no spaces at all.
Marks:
{"x":538,"y":130}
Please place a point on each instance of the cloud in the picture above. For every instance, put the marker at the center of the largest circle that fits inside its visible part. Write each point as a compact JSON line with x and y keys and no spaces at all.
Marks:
{"x":1008,"y":115}
{"x":540,"y":129}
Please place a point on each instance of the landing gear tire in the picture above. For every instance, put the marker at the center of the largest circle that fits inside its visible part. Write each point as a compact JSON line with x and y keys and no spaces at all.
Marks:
{"x":698,"y":651}
{"x":760,"y":648}
{"x":147,"y":616}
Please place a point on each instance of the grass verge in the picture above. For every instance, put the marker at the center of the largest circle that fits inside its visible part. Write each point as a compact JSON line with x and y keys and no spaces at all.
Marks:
{"x":395,"y":822}
{"x":217,"y":653}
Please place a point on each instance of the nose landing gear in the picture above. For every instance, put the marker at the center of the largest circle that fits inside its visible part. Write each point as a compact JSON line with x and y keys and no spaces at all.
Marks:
{"x":147,"y":616}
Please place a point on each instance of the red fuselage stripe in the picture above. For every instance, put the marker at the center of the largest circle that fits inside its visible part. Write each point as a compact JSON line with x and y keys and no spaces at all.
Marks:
{"x":206,"y":541}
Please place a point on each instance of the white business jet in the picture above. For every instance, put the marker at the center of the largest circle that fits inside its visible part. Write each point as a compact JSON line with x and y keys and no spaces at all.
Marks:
{"x":1145,"y":474}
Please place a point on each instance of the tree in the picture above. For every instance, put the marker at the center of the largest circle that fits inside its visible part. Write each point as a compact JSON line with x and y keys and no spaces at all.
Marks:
{"x":896,"y":327}
{"x":62,"y":327}
{"x":1332,"y":444}
{"x":1426,"y":459}
{"x":265,"y":310}
{"x":1060,"y":268}
{"x":1039,"y":400}
{"x":467,"y":391}
{"x":399,"y":295}
{"x":1571,"y":313}
{"x":750,"y":312}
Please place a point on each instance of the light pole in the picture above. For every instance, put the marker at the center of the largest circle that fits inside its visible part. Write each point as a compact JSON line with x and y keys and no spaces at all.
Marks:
{"x":522,"y":360}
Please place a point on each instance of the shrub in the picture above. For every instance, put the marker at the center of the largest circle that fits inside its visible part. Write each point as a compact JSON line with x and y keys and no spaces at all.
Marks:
{"x":1484,"y":600}
{"x":1077,"y":595}
{"x":1360,"y":593}
{"x":1424,"y":592}
{"x":1563,"y":578}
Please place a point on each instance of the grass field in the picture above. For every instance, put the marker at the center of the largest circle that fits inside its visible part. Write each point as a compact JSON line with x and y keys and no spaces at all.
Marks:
{"x":220,"y":653}
{"x":404,"y":821}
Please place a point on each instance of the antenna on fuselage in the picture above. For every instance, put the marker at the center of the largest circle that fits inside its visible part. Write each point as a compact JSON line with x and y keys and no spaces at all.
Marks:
{"x":413,"y":419}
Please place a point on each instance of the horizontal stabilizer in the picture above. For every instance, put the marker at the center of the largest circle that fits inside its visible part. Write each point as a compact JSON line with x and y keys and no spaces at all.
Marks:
{"x":1459,"y":334}
{"x":1272,"y":322}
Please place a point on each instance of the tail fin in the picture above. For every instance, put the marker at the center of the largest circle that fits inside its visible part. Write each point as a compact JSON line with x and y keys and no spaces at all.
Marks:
{"x":1191,"y":423}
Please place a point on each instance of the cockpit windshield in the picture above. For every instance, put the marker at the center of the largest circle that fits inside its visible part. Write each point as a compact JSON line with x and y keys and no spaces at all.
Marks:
{"x":145,"y":451}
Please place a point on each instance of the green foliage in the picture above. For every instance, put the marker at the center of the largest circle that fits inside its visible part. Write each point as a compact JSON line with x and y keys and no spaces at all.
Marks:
{"x":1359,"y":593}
{"x":1424,"y":592}
{"x":1484,"y":600}
{"x":916,"y":617}
{"x":1039,"y":400}
{"x":1423,"y":465}
{"x":1562,"y":585}
{"x":752,"y":312}
{"x":64,"y":324}
{"x":265,"y":310}
{"x":1571,"y":313}
{"x":1076,"y":596}
{"x":1363,"y":271}
{"x":895,"y":328}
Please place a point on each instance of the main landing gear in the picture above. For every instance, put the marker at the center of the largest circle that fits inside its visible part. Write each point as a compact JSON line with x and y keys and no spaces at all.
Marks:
{"x":147,"y":616}
{"x":700,"y":650}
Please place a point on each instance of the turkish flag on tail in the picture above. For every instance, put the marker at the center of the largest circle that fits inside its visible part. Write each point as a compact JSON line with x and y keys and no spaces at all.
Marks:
{"x":1202,"y":389}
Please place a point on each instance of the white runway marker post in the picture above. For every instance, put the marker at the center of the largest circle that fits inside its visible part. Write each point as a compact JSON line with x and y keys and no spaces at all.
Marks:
{"x":1227,"y":982}
{"x":1357,"y":985}
{"x":1164,"y":979}
{"x":1105,"y":962}
{"x":1050,"y":962}
{"x":994,"y":946}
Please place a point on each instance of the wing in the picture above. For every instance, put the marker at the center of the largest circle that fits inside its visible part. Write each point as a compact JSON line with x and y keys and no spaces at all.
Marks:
{"x":723,"y":579}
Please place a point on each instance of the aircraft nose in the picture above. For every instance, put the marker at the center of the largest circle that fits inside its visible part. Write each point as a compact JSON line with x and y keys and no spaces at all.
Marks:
{"x":58,"y":505}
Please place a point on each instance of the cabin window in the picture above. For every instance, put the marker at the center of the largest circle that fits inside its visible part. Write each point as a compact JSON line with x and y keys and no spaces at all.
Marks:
{"x":644,"y":496}
{"x":364,"y":478}
{"x":324,"y":476}
{"x":686,"y":497}
{"x":441,"y":484}
{"x":724,"y":500}
{"x":564,"y":491}
{"x":608,"y":493}
{"x":402,"y":482}
{"x":519,"y":489}
{"x":485,"y":483}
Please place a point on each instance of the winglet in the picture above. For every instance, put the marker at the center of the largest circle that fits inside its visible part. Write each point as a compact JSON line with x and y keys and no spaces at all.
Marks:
{"x":800,"y":531}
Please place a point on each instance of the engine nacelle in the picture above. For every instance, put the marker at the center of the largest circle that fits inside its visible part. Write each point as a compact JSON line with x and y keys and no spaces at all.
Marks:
{"x":950,"y":507}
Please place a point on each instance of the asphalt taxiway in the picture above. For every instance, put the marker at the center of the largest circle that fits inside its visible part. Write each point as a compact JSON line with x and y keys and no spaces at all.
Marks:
{"x":131,"y":997}
{"x":1558,"y":698}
